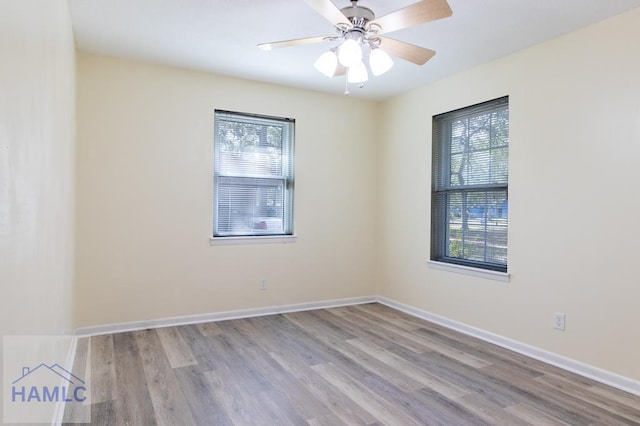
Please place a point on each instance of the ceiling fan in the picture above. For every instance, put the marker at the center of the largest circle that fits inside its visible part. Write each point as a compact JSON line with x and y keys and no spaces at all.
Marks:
{"x":360,"y":33}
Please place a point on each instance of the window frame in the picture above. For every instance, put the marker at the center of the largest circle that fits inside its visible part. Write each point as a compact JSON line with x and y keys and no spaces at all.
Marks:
{"x":442,"y":189}
{"x":240,"y":178}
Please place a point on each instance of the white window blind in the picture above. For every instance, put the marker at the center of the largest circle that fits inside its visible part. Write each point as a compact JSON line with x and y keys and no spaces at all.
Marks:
{"x":469,"y":203}
{"x":253,"y":175}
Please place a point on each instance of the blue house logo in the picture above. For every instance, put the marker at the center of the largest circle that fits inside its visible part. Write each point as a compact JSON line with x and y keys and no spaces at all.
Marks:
{"x":48,"y":383}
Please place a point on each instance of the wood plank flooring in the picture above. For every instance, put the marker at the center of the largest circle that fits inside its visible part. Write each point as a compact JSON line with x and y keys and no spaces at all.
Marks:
{"x":357,"y":365}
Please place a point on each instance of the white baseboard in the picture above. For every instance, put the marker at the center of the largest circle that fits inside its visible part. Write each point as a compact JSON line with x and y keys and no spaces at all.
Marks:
{"x":612,"y":379}
{"x":218,"y":316}
{"x":603,"y":376}
{"x":68,"y":365}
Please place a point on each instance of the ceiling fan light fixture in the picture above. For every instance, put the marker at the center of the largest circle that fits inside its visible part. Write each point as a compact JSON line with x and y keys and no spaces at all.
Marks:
{"x":327,"y":63}
{"x":357,"y":73}
{"x":379,"y":61}
{"x":350,"y":53}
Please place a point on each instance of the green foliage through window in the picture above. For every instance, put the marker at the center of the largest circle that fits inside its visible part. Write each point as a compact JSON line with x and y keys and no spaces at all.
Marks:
{"x":253,"y":175}
{"x":470,"y":186}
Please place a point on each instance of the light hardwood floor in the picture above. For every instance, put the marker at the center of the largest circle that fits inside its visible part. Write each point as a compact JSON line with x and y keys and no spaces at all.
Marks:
{"x":366,"y":364}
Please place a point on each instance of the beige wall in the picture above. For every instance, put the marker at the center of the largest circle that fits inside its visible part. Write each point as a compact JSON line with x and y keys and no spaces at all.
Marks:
{"x":145,"y":138}
{"x":574,"y":207}
{"x":37,"y":144}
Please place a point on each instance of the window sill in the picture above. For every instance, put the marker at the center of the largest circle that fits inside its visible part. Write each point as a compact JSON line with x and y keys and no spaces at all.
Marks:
{"x":266,"y":239}
{"x":467,"y":270}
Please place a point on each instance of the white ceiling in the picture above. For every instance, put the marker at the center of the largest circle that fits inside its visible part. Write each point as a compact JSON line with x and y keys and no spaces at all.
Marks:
{"x":220,"y":36}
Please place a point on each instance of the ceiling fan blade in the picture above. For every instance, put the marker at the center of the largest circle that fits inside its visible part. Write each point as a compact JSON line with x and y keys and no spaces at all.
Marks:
{"x":288,"y":43}
{"x":328,"y":10}
{"x":414,"y":14}
{"x":410,"y":52}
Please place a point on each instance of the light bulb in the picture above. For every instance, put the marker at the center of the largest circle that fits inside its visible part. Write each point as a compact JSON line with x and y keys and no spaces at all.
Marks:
{"x":327,"y":63}
{"x":350,"y":53}
{"x":357,"y":73}
{"x":379,"y":61}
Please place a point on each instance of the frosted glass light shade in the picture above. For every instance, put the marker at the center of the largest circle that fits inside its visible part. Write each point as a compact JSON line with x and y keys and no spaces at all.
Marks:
{"x":350,"y":53}
{"x":327,"y":63}
{"x":380,"y":62}
{"x":357,"y":73}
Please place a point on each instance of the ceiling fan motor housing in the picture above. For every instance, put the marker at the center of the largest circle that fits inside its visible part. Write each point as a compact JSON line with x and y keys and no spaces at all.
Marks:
{"x":358,"y":16}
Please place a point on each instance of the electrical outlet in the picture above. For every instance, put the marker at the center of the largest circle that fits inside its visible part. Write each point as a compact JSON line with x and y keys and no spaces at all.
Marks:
{"x":559,"y":321}
{"x":263,"y":284}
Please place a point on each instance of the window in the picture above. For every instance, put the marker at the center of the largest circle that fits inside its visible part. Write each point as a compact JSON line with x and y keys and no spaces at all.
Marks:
{"x":469,"y":198}
{"x":253,"y":175}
